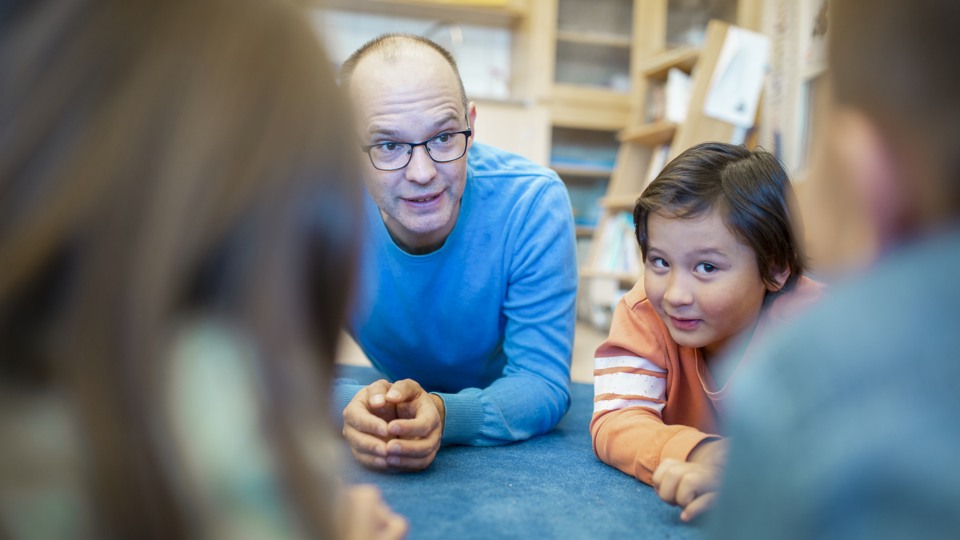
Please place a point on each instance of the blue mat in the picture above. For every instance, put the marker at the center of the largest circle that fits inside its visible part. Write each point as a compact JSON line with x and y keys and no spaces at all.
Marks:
{"x":551,"y":486}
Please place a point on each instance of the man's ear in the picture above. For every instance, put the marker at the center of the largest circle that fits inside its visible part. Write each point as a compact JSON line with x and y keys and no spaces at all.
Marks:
{"x":472,"y":116}
{"x":868,"y":165}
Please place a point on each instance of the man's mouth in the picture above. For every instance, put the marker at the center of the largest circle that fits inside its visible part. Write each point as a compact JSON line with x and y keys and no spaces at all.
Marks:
{"x":425,"y":199}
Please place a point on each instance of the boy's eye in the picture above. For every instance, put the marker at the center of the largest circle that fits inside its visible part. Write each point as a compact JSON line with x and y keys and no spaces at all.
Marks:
{"x":706,"y":268}
{"x":442,"y":138}
{"x":658,"y":262}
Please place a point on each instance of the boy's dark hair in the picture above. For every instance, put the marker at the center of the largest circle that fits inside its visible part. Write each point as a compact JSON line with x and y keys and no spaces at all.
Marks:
{"x":391,"y":45}
{"x":751,"y":191}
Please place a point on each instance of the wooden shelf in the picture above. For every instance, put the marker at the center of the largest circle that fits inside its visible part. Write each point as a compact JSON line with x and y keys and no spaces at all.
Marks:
{"x":585,"y":230}
{"x":506,"y":13}
{"x":603,"y":274}
{"x":682,"y":58}
{"x":624,"y":201}
{"x":583,"y":107}
{"x":659,"y":132}
{"x":597,"y":39}
{"x":582,"y":172}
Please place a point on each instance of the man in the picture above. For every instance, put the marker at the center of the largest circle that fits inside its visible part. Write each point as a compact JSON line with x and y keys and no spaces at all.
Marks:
{"x":468,"y":280}
{"x":848,"y":428}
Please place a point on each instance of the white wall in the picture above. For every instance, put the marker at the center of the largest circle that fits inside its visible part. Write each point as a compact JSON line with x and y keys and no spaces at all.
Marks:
{"x":482,"y":53}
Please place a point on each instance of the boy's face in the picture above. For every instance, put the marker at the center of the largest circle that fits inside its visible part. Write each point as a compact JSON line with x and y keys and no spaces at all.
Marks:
{"x":702,"y":281}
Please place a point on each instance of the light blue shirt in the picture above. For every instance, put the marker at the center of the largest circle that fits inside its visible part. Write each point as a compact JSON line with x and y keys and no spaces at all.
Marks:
{"x":487,"y":320}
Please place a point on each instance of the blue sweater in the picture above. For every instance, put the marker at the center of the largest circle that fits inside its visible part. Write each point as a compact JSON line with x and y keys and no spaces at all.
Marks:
{"x":487,"y":320}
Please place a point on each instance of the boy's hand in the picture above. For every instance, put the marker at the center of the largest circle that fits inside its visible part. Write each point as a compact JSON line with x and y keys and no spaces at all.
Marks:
{"x":396,"y":426}
{"x":689,"y":485}
{"x":711,"y":452}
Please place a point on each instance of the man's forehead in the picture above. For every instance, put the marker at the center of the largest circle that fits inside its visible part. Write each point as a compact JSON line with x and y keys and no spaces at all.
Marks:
{"x":421,"y":86}
{"x":409,"y":59}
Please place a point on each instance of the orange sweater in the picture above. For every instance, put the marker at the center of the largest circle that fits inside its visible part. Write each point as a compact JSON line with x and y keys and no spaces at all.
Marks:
{"x":654,"y":399}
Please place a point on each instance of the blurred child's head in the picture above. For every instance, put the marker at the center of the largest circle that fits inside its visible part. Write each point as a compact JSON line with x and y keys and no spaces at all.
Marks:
{"x":896,"y":127}
{"x":162,"y":162}
{"x":716,"y":235}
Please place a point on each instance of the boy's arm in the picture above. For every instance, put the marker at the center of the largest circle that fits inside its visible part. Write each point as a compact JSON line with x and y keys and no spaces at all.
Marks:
{"x":630,"y":383}
{"x":635,"y":440}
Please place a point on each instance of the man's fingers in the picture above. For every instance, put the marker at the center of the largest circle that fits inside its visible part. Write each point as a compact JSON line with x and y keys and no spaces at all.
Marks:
{"x":404,"y":390}
{"x":376,"y":392}
{"x":698,"y":506}
{"x":364,"y":442}
{"x":360,"y":419}
{"x":414,"y":428}
{"x":368,"y":450}
{"x":417,"y":448}
{"x":400,"y":463}
{"x":370,"y":461}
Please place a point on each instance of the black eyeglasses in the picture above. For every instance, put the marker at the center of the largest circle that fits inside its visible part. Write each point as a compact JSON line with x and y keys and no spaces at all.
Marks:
{"x":392,"y":155}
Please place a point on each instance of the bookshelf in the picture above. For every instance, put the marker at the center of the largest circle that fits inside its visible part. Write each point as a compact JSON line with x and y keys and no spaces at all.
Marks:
{"x":504,"y":13}
{"x":592,"y":45}
{"x":675,"y":60}
{"x":580,"y":57}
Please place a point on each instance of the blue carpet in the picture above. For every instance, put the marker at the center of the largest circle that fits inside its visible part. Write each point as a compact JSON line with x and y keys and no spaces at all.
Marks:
{"x":551,"y":486}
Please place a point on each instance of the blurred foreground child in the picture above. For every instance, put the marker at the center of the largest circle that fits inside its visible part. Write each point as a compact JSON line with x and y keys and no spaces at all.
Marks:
{"x":847,"y":424}
{"x":178,"y":228}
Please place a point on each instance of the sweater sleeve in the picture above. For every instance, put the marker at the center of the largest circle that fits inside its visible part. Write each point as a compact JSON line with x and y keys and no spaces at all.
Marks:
{"x":533,"y":392}
{"x":631,"y":369}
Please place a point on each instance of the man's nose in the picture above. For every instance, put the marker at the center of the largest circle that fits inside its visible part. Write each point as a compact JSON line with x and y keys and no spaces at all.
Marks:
{"x":421,"y":168}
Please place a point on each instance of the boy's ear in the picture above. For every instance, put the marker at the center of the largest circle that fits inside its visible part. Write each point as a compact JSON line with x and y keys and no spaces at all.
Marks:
{"x":780,"y":278}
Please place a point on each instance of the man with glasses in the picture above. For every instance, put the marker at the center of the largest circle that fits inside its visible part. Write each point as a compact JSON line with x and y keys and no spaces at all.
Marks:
{"x":468,"y":277}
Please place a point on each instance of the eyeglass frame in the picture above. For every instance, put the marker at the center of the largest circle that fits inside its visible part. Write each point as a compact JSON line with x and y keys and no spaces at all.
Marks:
{"x":467,"y":132}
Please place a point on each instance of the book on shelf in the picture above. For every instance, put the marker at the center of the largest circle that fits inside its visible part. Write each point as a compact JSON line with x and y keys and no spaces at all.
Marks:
{"x":574,"y":156}
{"x":669,"y":99}
{"x":658,"y":160}
{"x":617,"y":250}
{"x":678,"y":89}
{"x":583,"y":250}
{"x":656,"y":101}
{"x":585,"y":200}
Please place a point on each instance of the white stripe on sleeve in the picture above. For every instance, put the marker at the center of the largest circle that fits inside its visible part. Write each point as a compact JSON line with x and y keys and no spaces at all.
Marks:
{"x":627,"y":361}
{"x":615,"y":404}
{"x":630,"y":384}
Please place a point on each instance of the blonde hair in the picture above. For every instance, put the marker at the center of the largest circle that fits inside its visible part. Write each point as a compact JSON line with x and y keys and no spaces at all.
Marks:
{"x":158,"y":159}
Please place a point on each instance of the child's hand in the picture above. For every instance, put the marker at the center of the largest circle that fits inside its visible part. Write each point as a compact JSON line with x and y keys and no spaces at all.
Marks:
{"x":369,"y":518}
{"x":689,"y":485}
